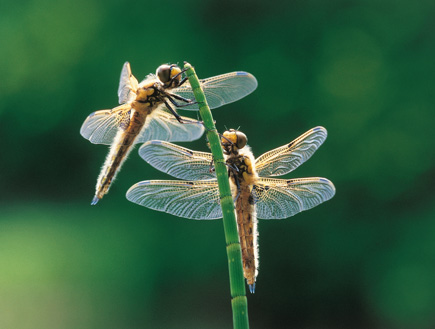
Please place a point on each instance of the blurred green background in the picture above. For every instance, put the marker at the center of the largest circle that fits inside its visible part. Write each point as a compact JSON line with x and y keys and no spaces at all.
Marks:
{"x":363,"y":69}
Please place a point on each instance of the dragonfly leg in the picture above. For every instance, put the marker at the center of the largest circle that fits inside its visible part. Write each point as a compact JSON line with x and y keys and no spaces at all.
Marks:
{"x":212,"y":168}
{"x":210,"y":129}
{"x":177,"y":116}
{"x":238,"y":189}
{"x":226,"y":148}
{"x":234,"y":168}
{"x":222,"y":136}
{"x":169,"y":97}
{"x":178,"y":74}
{"x":182,"y":81}
{"x":232,"y":172}
{"x":184,"y":105}
{"x":180,"y":98}
{"x":175,"y":77}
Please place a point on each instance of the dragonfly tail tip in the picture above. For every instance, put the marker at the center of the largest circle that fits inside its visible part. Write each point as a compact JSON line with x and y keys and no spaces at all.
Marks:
{"x":252,"y":288}
{"x":95,"y":200}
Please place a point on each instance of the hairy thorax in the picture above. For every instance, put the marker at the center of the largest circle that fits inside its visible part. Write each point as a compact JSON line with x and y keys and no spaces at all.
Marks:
{"x":243,"y":167}
{"x":148,"y":97}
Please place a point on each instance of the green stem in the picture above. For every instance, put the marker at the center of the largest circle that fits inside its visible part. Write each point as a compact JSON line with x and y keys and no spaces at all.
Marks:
{"x":239,"y":301}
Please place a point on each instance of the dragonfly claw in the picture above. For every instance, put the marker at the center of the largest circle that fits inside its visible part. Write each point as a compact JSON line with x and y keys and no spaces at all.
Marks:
{"x":252,"y":288}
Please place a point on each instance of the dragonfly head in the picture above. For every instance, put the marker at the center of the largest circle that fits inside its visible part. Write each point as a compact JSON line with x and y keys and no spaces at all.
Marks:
{"x":169,"y":75}
{"x":233,"y":140}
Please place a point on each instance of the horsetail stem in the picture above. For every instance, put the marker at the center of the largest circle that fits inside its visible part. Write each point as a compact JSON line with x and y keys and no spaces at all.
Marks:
{"x":239,"y":301}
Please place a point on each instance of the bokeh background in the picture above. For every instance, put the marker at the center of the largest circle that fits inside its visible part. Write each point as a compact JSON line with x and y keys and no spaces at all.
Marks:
{"x":363,"y":69}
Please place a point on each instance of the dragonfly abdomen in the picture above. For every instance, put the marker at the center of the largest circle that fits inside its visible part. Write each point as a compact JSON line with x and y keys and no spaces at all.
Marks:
{"x":248,"y":233}
{"x":121,"y":147}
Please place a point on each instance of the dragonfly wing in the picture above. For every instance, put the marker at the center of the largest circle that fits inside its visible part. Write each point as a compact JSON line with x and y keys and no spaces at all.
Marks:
{"x":177,"y":161}
{"x":281,"y":198}
{"x":161,"y":125}
{"x":287,"y":158}
{"x":220,"y":90}
{"x":127,"y":85}
{"x":187,"y":199}
{"x":101,"y":127}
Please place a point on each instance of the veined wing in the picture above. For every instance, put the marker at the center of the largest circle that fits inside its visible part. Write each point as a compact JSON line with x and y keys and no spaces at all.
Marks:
{"x":161,"y":125}
{"x":193,"y":200}
{"x":127,"y":85}
{"x":287,"y":158}
{"x":101,"y":127}
{"x":281,"y":198}
{"x":221,"y":89}
{"x":177,"y":161}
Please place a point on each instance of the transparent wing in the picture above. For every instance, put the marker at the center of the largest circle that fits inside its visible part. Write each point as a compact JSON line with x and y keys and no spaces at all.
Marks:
{"x":221,"y":89}
{"x":287,"y":158}
{"x":193,"y":200}
{"x":161,"y":125}
{"x":177,"y":161}
{"x":281,"y":198}
{"x":101,"y":127}
{"x":127,"y":85}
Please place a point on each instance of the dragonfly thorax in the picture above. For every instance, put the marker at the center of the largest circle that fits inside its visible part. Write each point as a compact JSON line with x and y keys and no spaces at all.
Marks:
{"x":147,"y":97}
{"x":241,"y":167}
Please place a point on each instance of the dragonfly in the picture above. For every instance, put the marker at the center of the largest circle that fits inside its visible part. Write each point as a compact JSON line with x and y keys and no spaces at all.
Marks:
{"x":148,"y":112}
{"x":255,"y":195}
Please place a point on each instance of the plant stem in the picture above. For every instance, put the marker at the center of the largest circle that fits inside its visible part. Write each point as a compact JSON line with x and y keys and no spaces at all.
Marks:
{"x":239,"y":301}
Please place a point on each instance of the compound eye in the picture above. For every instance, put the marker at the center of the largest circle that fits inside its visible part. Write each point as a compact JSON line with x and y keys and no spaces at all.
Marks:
{"x":174,"y":71}
{"x":241,"y":140}
{"x":164,"y":73}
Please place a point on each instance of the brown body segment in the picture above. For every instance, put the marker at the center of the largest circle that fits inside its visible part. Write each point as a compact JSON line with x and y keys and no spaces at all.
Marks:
{"x":247,"y":232}
{"x":119,"y":151}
